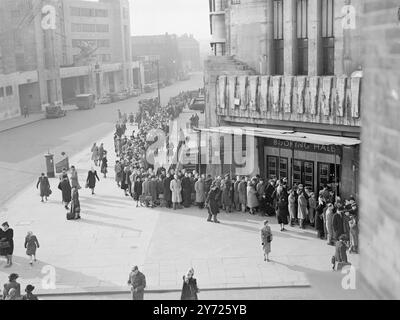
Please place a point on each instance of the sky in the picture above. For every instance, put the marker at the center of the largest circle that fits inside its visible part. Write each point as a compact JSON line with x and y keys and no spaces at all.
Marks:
{"x":150,"y":17}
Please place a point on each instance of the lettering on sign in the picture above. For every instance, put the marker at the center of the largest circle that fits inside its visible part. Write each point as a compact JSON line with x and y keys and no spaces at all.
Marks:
{"x":49,"y":17}
{"x":303,"y":146}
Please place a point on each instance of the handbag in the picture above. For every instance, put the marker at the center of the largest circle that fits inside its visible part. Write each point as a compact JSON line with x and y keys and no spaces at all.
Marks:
{"x":4,"y":245}
{"x":269,"y":239}
{"x":50,"y":192}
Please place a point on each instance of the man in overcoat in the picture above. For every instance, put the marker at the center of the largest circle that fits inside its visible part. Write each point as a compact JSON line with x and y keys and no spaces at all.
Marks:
{"x":137,"y":281}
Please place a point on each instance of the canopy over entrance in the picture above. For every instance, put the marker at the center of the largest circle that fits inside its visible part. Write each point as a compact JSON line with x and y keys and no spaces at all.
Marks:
{"x":286,"y":135}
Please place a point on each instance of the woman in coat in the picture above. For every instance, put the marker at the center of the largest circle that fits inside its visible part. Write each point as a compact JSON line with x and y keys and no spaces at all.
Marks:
{"x":104,"y":165}
{"x":292,"y":207}
{"x":353,"y":234}
{"x":252,"y":201}
{"x":302,"y":211}
{"x":91,"y":179}
{"x":236,"y":202}
{"x":12,"y":285}
{"x":189,"y":288}
{"x":74,"y":178}
{"x":212,"y":202}
{"x":31,"y":244}
{"x":340,"y":253}
{"x":137,"y":190}
{"x":282,"y":206}
{"x":329,"y":223}
{"x":75,"y":204}
{"x":266,"y":239}
{"x":200,"y":194}
{"x":243,"y":194}
{"x":167,"y":191}
{"x":186,"y":191}
{"x":227,"y":194}
{"x":44,"y":184}
{"x":65,"y":188}
{"x":7,"y":239}
{"x":176,"y":189}
{"x":125,"y":183}
{"x":95,"y":154}
{"x":319,"y":220}
{"x":312,"y":204}
{"x":118,"y":173}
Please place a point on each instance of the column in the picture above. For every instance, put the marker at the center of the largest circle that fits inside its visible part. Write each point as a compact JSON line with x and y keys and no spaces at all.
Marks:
{"x":289,"y":34}
{"x":314,"y":38}
{"x":339,"y":37}
{"x":269,"y":42}
{"x":40,"y":61}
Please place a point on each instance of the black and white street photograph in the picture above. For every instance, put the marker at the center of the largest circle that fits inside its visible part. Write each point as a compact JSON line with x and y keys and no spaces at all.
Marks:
{"x":210,"y":150}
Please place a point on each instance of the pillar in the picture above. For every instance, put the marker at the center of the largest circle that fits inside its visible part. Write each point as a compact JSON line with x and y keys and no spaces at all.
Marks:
{"x":314,"y":38}
{"x":289,"y":34}
{"x":269,"y":42}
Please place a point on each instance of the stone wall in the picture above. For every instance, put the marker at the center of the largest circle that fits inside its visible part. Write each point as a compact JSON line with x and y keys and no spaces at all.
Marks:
{"x":380,"y":153}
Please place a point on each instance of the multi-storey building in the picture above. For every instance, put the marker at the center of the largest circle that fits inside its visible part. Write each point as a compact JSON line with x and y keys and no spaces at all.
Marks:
{"x":287,"y":73}
{"x":87,"y":52}
{"x":189,"y":49}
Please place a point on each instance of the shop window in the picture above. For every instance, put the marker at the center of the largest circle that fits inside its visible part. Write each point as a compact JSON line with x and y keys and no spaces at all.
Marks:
{"x":9,"y":91}
{"x":272,"y":167}
{"x":302,"y":37}
{"x":327,"y":174}
{"x":278,"y":36}
{"x":328,"y":37}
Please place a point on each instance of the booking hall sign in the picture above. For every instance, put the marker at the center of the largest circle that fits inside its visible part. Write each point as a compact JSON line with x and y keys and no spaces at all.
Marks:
{"x":303,"y":146}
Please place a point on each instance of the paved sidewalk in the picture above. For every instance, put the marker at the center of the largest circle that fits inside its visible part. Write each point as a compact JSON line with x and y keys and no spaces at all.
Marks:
{"x":20,"y":121}
{"x":96,"y":253}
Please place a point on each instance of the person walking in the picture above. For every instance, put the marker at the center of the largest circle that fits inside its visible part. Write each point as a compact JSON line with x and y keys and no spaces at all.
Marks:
{"x":95,"y":154}
{"x":91,"y":179}
{"x":200,"y":194}
{"x":29,"y":293}
{"x":176,"y":189}
{"x":101,"y":151}
{"x":212,"y":202}
{"x":266,"y":239}
{"x":12,"y":285}
{"x":31,"y":244}
{"x":189,"y":288}
{"x":104,"y":165}
{"x":339,"y":260}
{"x":7,"y":243}
{"x":75,"y":205}
{"x":242,"y":188}
{"x":252,"y":201}
{"x":44,"y":184}
{"x":118,"y":173}
{"x":137,"y":281}
{"x":65,"y":188}
{"x":302,"y":211}
{"x":25,"y":111}
{"x":74,"y":178}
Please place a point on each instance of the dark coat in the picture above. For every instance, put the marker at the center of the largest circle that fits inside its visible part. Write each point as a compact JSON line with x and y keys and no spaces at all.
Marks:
{"x":186,"y":191}
{"x":189,"y":289}
{"x":340,"y":252}
{"x":337,"y":224}
{"x":207,"y":185}
{"x":31,"y":244}
{"x":212,"y":199}
{"x":138,"y":283}
{"x":7,"y":236}
{"x":65,"y":188}
{"x":126,"y":181}
{"x":44,"y":184}
{"x":319,"y":221}
{"x":282,"y":206}
{"x":153,"y":189}
{"x":137,"y":190}
{"x":91,"y":179}
{"x":167,"y":189}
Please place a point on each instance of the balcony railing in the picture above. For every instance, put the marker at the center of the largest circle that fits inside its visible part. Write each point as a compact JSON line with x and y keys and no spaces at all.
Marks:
{"x":323,"y":100}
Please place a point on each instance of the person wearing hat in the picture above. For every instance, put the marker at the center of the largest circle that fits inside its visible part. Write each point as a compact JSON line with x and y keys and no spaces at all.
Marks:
{"x":91,"y":179}
{"x":329,"y":224}
{"x":12,"y":284}
{"x":31,"y":244}
{"x":44,"y":184}
{"x":29,"y":295}
{"x":189,"y":288}
{"x":266,"y":239}
{"x":137,"y":281}
{"x":212,"y":202}
{"x":7,"y":243}
{"x":338,"y":223}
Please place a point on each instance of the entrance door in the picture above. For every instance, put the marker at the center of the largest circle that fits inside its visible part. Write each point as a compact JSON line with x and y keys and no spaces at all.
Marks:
{"x":326,"y":175}
{"x":303,"y":173}
{"x":272,"y":167}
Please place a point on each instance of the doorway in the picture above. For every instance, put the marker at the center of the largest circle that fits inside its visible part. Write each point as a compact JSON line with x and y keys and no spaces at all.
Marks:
{"x":303,"y":173}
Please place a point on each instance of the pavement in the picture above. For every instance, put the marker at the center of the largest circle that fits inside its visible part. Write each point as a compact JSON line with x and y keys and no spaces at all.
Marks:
{"x":95,"y":254}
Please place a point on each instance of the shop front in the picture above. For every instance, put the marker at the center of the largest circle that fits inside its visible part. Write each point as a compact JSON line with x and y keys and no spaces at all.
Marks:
{"x":312,"y":165}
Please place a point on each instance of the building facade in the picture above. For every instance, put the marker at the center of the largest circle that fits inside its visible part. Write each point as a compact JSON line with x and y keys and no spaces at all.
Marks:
{"x":287,"y":73}
{"x":189,"y":50}
{"x":87,"y":52}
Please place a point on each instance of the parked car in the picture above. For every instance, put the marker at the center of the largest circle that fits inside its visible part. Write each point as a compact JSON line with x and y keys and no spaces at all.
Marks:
{"x":53,"y":111}
{"x":85,"y":101}
{"x":105,"y":99}
{"x":148,"y":88}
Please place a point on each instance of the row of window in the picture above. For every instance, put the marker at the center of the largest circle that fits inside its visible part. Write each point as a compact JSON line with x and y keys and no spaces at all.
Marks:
{"x":88,"y":12}
{"x":327,"y":36}
{"x":99,"y":43}
{"x":84,"y":27}
{"x":7,"y":91}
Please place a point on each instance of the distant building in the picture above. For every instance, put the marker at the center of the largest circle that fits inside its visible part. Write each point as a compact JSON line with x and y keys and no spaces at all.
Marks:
{"x":88,"y":52}
{"x":189,"y":50}
{"x":166,"y":48}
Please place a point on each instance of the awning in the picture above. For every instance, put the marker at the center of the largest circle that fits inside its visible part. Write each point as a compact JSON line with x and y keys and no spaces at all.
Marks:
{"x":286,"y":135}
